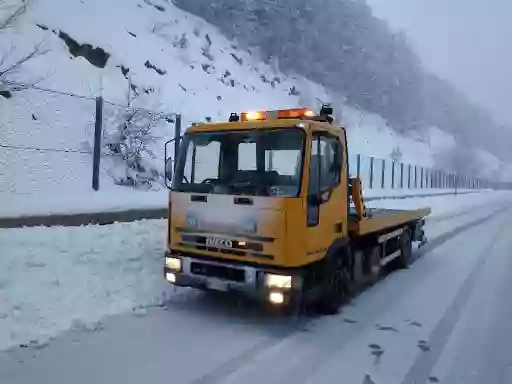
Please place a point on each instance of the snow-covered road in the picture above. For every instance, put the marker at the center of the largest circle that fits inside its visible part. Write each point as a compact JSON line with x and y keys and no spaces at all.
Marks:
{"x":406,"y":329}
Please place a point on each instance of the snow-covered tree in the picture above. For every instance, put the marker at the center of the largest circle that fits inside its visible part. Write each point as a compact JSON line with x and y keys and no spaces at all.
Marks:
{"x":129,"y":135}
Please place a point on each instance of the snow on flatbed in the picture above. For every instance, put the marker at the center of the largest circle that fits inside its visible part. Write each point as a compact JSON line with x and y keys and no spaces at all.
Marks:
{"x":200,"y":339}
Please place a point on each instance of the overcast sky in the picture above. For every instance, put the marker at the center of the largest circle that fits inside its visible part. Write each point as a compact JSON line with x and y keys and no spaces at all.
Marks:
{"x":466,"y":41}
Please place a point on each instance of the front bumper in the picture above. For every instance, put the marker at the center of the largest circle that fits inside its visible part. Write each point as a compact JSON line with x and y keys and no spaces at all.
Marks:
{"x":207,"y":274}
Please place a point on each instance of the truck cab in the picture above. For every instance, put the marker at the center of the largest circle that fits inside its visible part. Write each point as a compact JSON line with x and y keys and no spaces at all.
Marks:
{"x":259,"y":205}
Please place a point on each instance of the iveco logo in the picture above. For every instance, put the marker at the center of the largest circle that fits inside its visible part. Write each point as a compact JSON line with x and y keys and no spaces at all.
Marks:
{"x":217,"y":242}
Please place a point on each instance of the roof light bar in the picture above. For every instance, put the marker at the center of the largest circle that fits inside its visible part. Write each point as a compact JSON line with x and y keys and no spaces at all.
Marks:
{"x":295,"y":113}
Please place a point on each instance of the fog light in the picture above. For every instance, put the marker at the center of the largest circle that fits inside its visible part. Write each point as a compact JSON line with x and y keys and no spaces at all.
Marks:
{"x":276,"y":298}
{"x":278,"y":281}
{"x":173,"y":263}
{"x":170,"y":277}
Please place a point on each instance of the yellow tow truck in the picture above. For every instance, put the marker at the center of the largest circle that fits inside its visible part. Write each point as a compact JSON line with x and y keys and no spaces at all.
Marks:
{"x":263,"y":205}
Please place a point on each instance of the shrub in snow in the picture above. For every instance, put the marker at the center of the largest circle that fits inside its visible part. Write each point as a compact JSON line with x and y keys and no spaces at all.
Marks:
{"x":205,"y":51}
{"x":128,"y":138}
{"x":181,"y":42}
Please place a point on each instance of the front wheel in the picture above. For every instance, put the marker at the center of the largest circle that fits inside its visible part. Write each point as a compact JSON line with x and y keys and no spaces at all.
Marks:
{"x":335,"y":287}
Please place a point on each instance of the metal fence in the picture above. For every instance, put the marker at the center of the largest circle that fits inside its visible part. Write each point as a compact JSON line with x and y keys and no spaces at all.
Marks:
{"x":378,"y":173}
{"x":55,"y":142}
{"x":67,"y":139}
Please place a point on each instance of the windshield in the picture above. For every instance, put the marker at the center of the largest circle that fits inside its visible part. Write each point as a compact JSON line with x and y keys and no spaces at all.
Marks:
{"x":258,"y":163}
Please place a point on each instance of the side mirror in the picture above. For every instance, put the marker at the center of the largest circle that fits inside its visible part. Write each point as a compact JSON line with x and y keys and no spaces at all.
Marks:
{"x":170,"y":148}
{"x":169,"y":169}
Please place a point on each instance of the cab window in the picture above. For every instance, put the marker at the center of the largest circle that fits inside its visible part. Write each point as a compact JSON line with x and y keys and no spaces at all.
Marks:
{"x":324,"y":169}
{"x":324,"y":172}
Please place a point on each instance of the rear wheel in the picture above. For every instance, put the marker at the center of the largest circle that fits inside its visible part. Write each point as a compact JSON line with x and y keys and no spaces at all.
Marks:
{"x":336,"y":285}
{"x":374,"y":264}
{"x":406,"y":257}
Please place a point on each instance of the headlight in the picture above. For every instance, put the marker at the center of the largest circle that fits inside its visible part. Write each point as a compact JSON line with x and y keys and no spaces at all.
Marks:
{"x":170,"y":277}
{"x":278,"y":281}
{"x":276,"y":298}
{"x":173,"y":263}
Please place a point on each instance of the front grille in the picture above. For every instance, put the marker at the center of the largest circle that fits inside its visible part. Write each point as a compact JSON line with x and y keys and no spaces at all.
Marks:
{"x":238,"y":247}
{"x":221,"y":250}
{"x":219,"y":271}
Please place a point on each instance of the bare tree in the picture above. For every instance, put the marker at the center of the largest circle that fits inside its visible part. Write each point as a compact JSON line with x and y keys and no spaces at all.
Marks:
{"x":9,"y":13}
{"x":11,"y":64}
{"x":128,"y":139}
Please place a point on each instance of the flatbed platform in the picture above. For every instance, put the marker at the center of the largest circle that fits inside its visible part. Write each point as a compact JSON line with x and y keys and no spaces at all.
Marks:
{"x":379,"y":219}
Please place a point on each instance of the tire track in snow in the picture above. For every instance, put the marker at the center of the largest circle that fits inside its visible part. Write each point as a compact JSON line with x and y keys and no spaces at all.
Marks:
{"x":420,"y":370}
{"x":315,"y":361}
{"x":247,"y":356}
{"x":232,"y":365}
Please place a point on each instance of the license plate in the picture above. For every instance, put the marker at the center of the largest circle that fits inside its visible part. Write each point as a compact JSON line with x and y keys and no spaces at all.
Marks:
{"x":218,"y":285}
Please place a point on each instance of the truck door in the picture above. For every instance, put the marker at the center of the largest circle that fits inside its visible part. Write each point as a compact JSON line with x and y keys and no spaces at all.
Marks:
{"x":327,"y":199}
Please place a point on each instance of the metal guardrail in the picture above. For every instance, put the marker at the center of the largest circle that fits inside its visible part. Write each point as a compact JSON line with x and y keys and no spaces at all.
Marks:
{"x":111,"y":217}
{"x":373,"y":198}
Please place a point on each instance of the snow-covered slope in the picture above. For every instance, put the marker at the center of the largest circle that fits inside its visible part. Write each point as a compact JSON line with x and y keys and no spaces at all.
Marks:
{"x":175,"y":61}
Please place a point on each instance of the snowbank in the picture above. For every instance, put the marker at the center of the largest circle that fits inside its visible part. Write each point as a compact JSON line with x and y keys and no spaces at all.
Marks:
{"x":53,"y":279}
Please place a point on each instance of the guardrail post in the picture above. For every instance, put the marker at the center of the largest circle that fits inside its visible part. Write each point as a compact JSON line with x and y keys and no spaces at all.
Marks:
{"x":409,"y":177}
{"x":421,"y":180}
{"x":415,"y":177}
{"x":371,"y":172}
{"x":96,"y":155}
{"x":393,"y":174}
{"x":382,"y":184}
{"x":358,"y":162}
{"x":402,"y":175}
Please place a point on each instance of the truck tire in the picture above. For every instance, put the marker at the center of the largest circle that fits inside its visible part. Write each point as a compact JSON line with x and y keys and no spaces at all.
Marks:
{"x":406,"y":257}
{"x":336,"y":285}
{"x":374,"y":266}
